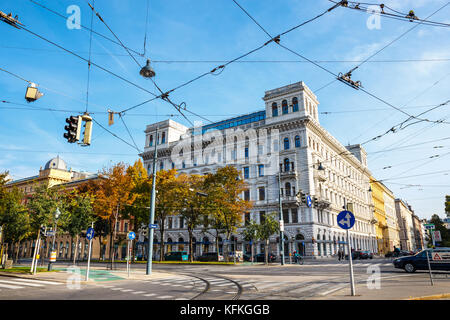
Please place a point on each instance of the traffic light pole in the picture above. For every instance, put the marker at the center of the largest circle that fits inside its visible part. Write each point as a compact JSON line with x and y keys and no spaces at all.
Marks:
{"x":281,"y":221}
{"x":350,"y":261}
{"x":152,"y":210}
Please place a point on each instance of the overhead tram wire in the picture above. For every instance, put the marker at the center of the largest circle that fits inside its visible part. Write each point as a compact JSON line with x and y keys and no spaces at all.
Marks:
{"x":115,"y":135}
{"x":396,"y":39}
{"x":321,"y":67}
{"x":129,"y":133}
{"x":364,"y":7}
{"x":222,"y":66}
{"x":177,"y":107}
{"x":82,"y":26}
{"x":89,"y":59}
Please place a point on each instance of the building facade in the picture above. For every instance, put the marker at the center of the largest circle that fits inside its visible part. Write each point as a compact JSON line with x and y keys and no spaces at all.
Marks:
{"x":285,"y":142}
{"x":405,"y":219}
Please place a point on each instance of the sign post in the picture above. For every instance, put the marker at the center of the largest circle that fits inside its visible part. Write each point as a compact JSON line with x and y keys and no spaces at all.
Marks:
{"x":346,"y":220}
{"x":131,"y":236}
{"x":89,"y":236}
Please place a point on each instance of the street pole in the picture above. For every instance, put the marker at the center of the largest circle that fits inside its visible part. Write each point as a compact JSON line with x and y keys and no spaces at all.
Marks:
{"x":38,"y":245}
{"x":89,"y":256}
{"x":33,"y":262}
{"x":152,"y":209}
{"x":350,"y":261}
{"x":281,"y":220}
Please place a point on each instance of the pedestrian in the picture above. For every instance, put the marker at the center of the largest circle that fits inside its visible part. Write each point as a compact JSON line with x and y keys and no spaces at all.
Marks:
{"x":295,"y":256}
{"x":340,"y":254}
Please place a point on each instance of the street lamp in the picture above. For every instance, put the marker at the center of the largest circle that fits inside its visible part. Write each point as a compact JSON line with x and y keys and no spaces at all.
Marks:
{"x":147,"y":71}
{"x":56,"y":215}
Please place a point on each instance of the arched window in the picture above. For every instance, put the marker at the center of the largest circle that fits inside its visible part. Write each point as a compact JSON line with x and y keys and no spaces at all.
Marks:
{"x":183,"y":165}
{"x":274,"y":109}
{"x":284,"y":107}
{"x":294,"y":104}
{"x":286,"y":143}
{"x":297,"y":141}
{"x":180,"y":244}
{"x":150,"y":143}
{"x":287,"y":187}
{"x":286,"y":165}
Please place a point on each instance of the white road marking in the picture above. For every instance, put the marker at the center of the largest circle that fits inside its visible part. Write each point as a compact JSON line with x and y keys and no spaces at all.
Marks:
{"x":138,"y":292}
{"x":164,"y":297}
{"x":116,"y":289}
{"x":10,"y":286}
{"x":22,"y":283}
{"x":126,"y":290}
{"x":149,"y":294}
{"x":38,"y":281}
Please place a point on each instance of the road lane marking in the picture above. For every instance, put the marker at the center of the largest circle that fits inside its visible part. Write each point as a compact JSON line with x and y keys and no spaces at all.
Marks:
{"x":138,"y":292}
{"x":149,"y":294}
{"x":22,"y":283}
{"x":38,"y":281}
{"x":164,"y":297}
{"x":10,"y":286}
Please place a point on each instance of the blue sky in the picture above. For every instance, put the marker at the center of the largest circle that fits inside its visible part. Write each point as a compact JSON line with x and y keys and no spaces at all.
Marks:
{"x":219,"y":30}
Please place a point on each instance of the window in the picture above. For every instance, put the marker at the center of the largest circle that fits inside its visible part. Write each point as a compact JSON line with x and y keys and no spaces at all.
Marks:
{"x":117,"y":226}
{"x":261,"y":170}
{"x":286,"y":215}
{"x":150,"y":141}
{"x":286,"y":165}
{"x":246,"y":152}
{"x":169,"y":223}
{"x":286,"y":143}
{"x":274,"y":110}
{"x":125,"y":228}
{"x":181,"y":222}
{"x":294,"y":104}
{"x":287,"y":186}
{"x":262,"y":193}
{"x":173,"y":165}
{"x":284,"y":106}
{"x":297,"y":141}
{"x":247,"y":195}
{"x":246,"y":172}
{"x":163,"y":138}
{"x":161,"y":165}
{"x":262,"y":216}
{"x":247,"y":218}
{"x":294,"y":215}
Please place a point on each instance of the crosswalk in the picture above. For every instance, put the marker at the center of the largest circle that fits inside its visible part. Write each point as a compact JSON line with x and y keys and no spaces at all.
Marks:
{"x":345,"y":264}
{"x":21,"y":283}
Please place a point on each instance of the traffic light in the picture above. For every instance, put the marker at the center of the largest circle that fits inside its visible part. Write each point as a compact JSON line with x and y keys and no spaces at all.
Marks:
{"x":302,"y":197}
{"x":87,"y":130}
{"x":316,"y":202}
{"x":32,"y":93}
{"x":73,"y":129}
{"x":43,"y":231}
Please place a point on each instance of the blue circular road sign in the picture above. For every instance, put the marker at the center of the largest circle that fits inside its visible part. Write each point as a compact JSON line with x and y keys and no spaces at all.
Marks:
{"x":90,"y":233}
{"x":346,"y":219}
{"x":131,"y":235}
{"x":308,"y":201}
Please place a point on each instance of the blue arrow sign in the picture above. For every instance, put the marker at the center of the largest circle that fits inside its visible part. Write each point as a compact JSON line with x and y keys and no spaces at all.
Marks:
{"x":131,"y":235}
{"x":345,"y":219}
{"x":308,"y":201}
{"x":90,"y":233}
{"x":153,"y":226}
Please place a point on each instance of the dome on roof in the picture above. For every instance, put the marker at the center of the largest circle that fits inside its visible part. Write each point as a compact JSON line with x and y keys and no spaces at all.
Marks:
{"x":56,"y":163}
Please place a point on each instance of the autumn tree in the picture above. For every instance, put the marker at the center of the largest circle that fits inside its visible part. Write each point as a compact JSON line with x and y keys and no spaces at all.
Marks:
{"x":250,"y":234}
{"x":225,"y":205}
{"x":193,"y":204}
{"x":113,"y":193}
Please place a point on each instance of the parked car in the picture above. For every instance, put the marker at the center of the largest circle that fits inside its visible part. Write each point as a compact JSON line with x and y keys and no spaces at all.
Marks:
{"x":419,"y":261}
{"x":365,"y":254}
{"x":210,"y":256}
{"x":355,"y":255}
{"x":176,"y":256}
{"x":247,"y":257}
{"x":260,"y":257}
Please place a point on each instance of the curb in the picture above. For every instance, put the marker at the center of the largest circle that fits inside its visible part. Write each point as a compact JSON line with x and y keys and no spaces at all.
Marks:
{"x":433,"y":297}
{"x":29,"y":276}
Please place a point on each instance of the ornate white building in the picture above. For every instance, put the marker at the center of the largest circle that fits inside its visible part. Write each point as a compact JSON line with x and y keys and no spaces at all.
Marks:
{"x":308,"y":158}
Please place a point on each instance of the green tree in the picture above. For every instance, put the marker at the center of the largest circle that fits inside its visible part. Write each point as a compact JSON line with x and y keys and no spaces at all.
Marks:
{"x":224,"y":189}
{"x":192,"y":203}
{"x":439,"y":226}
{"x":78,"y":216}
{"x":267,"y":228}
{"x":447,"y":205}
{"x":250,"y":233}
{"x":14,"y":220}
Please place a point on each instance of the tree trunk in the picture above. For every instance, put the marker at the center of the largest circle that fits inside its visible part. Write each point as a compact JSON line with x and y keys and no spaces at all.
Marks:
{"x":76,"y":251}
{"x":266,"y":254}
{"x":161,"y":243}
{"x":110,"y":244}
{"x":191,"y":254}
{"x":17,"y":252}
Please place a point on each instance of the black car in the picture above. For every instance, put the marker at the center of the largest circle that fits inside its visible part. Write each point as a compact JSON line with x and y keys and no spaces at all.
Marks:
{"x":355,"y":255}
{"x":260,"y":257}
{"x":419,"y":261}
{"x":210,"y":256}
{"x":366,"y":254}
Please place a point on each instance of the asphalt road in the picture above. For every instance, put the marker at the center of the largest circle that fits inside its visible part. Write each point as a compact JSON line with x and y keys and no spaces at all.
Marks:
{"x":209,"y":282}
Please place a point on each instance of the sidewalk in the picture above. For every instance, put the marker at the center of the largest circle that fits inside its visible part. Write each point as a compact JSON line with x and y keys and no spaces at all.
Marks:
{"x":399,"y":289}
{"x":96,"y":274}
